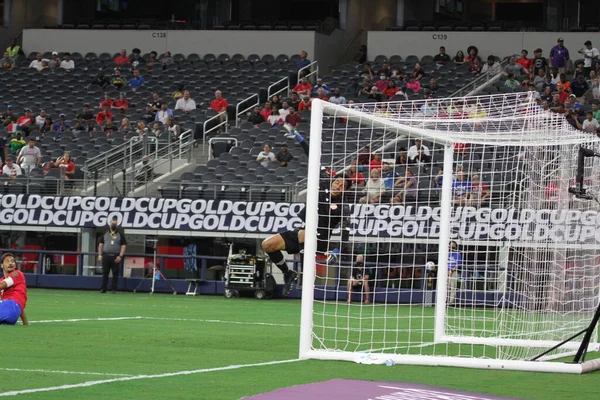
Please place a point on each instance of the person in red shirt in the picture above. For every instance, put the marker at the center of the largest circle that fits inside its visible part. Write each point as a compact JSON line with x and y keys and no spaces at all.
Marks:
{"x":293,"y":118}
{"x":375,"y":162}
{"x":305,"y":104}
{"x":356,"y":176}
{"x":103,"y":115}
{"x":303,"y":88}
{"x":26,"y":121}
{"x":106,"y":102}
{"x":219,"y":104}
{"x":527,"y":63}
{"x":562,"y":93}
{"x":14,"y":292}
{"x":267,"y":111}
{"x":121,"y":103}
{"x":364,"y":158}
{"x":67,"y":163}
{"x":122,"y":58}
{"x":390,"y":90}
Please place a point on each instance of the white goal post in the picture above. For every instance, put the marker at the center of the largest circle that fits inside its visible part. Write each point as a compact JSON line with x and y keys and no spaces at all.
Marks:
{"x":476,"y":253}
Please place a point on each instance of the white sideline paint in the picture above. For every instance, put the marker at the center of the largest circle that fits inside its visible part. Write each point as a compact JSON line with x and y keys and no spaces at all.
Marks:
{"x":211,"y":321}
{"x":138,"y":377}
{"x":49,"y":371}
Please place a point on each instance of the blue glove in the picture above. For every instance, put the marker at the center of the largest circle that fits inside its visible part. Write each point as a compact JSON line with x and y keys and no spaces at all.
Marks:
{"x":333,"y":256}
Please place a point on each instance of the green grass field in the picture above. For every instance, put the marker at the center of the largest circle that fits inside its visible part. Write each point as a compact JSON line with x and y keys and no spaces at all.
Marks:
{"x":69,"y":343}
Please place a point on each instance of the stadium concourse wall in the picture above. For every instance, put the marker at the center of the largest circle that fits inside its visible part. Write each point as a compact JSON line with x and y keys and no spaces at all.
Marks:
{"x":499,"y":44}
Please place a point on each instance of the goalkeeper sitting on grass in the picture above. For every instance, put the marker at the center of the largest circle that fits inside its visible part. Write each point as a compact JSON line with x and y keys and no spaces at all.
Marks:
{"x":332,"y":213}
{"x":14,"y":292}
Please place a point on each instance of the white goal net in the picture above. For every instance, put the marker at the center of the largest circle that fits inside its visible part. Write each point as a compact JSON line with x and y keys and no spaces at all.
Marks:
{"x":460,"y":243}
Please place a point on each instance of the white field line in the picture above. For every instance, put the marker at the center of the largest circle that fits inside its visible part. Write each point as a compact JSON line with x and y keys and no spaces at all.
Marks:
{"x":138,"y":377}
{"x":211,"y":321}
{"x":49,"y":371}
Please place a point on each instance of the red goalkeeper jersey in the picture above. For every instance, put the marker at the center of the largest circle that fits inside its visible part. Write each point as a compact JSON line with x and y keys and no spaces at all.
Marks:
{"x":17,"y":290}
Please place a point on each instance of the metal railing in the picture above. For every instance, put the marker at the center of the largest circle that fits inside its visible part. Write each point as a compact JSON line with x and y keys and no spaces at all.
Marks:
{"x":220,"y":139}
{"x":478,"y":83}
{"x":239,"y":114}
{"x":312,"y":71}
{"x":277,"y":84}
{"x":214,"y":128}
{"x":234,"y":191}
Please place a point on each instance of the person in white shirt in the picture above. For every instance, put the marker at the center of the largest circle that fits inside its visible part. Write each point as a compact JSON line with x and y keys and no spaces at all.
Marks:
{"x":164,"y":113}
{"x":418,"y":152}
{"x":29,"y":156}
{"x":11,"y":169}
{"x":265,"y":156}
{"x":590,"y":124}
{"x":337,"y":98}
{"x":67,"y":63}
{"x":41,"y":119}
{"x":374,"y":189}
{"x":492,"y":66}
{"x":284,"y":111}
{"x":185,"y":103}
{"x":275,"y":119}
{"x":590,"y":55}
{"x":37,"y":63}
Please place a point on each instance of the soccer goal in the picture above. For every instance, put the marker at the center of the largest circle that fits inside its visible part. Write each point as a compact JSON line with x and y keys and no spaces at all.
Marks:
{"x":481,"y":247}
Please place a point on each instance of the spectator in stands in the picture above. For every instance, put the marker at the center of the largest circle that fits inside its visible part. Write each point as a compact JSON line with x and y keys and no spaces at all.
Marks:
{"x":596,"y":89}
{"x":492,"y":67}
{"x":539,"y":80}
{"x":108,"y":102}
{"x":559,"y":56}
{"x":156,"y":131}
{"x":136,"y":58}
{"x":117,"y":80}
{"x":148,"y":116}
{"x":178,"y":94}
{"x":376,"y":162}
{"x":539,"y":61}
{"x":267,"y":111}
{"x":8,"y":117}
{"x":525,"y":62}
{"x":16,"y":143}
{"x":121,"y":58}
{"x":564,"y":82}
{"x":580,"y":86}
{"x":433,"y":85}
{"x":418,"y":72}
{"x":40,"y":119}
{"x":37,"y":63}
{"x":441,"y":58}
{"x":563,"y":95}
{"x":321,"y":95}
{"x":578,"y":70}
{"x":137,"y":81}
{"x":14,"y":50}
{"x":67,"y":163}
{"x":284,"y":111}
{"x":275,"y":102}
{"x":361,"y":54}
{"x":390,"y":90}
{"x":305,"y":104}
{"x":29,"y":156}
{"x":400,"y":95}
{"x":104,"y":115}
{"x":385,"y":70}
{"x":67,"y":63}
{"x":186,"y":103}
{"x":590,"y":56}
{"x":141,"y":129}
{"x":355,"y":175}
{"x":7,"y":62}
{"x":303,"y":61}
{"x":365,"y":156}
{"x":511,"y":82}
{"x":256,"y":118}
{"x":590,"y":124}
{"x":86,"y":114}
{"x":555,"y":75}
{"x":374,"y":189}
{"x":555,"y":103}
{"x":459,"y":58}
{"x":293,"y":118}
{"x":92,"y":127}
{"x":152,"y":60}
{"x":284,"y":156}
{"x":473,"y":54}
{"x":219,"y":104}
{"x":382,"y":83}
{"x":11,"y":169}
{"x":367,"y":72}
{"x":164,"y":113}
{"x":513,"y":67}
{"x":366,"y":88}
{"x":173,"y":129}
{"x":26,"y":121}
{"x":121,"y":103}
{"x":321,"y":85}
{"x":549,"y":83}
{"x":571,"y":117}
{"x":265,"y":156}
{"x":100,"y":80}
{"x":460,"y":188}
{"x":62,"y":125}
{"x":47,"y":127}
{"x":375,"y":95}
{"x":402,"y":157}
{"x":429,"y":108}
{"x":145,"y":172}
{"x":125,"y":127}
{"x":389,"y":176}
{"x":109,"y":128}
{"x":156,"y":102}
{"x":295,"y":101}
{"x":304,"y":88}
{"x":275,"y":119}
{"x":166,"y":59}
{"x":413,"y":84}
{"x":475,"y":67}
{"x":479,"y":193}
{"x":418,"y":152}
{"x":407,"y":188}
{"x":596,"y":110}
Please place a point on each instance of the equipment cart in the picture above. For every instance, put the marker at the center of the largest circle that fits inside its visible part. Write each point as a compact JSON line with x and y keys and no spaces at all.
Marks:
{"x":245,"y":272}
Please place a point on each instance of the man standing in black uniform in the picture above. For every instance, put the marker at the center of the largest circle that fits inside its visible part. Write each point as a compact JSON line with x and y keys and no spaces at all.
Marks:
{"x":332,"y":213}
{"x":110,"y":253}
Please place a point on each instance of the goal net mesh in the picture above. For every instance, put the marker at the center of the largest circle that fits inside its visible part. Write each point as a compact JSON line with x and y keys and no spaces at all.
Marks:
{"x":523,"y":272}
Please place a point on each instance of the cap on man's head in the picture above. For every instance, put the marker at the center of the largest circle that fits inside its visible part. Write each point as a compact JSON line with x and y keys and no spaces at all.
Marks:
{"x":6,"y":255}
{"x":538,"y":50}
{"x":560,"y":40}
{"x":62,"y":116}
{"x":9,"y":106}
{"x":588,"y":43}
{"x":28,"y":109}
{"x":284,"y":145}
{"x":573,"y":96}
{"x":54,"y":53}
